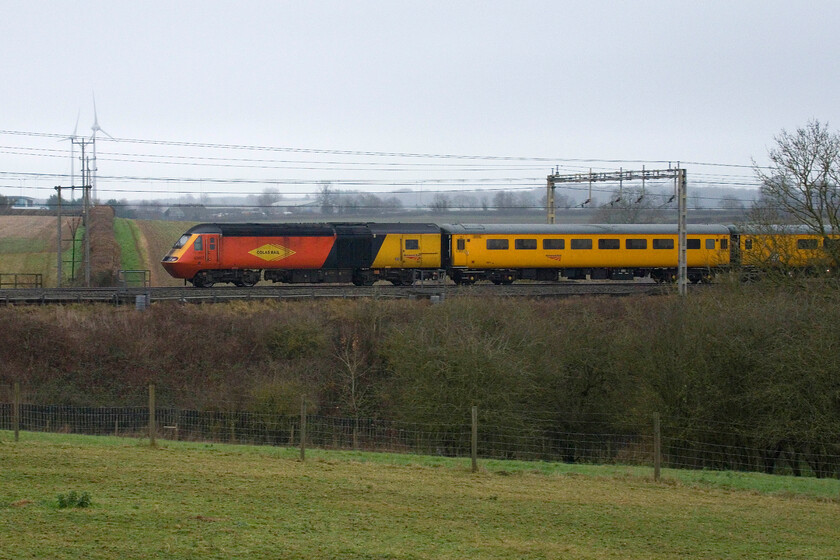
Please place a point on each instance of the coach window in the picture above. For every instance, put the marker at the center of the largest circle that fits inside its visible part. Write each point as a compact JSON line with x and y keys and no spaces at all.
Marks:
{"x":747,"y":244}
{"x":724,"y":244}
{"x":412,"y":244}
{"x":211,"y":244}
{"x":609,"y":244}
{"x":197,"y":244}
{"x":806,"y":243}
{"x":554,"y":244}
{"x":710,"y":244}
{"x":830,"y":243}
{"x":636,"y":243}
{"x":692,"y":244}
{"x":663,"y":243}
{"x":581,"y":243}
{"x":525,"y":244}
{"x":460,"y":244}
{"x":497,"y":244}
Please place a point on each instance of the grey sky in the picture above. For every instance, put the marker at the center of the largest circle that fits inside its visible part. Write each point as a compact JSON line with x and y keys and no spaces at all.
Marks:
{"x":653,"y":81}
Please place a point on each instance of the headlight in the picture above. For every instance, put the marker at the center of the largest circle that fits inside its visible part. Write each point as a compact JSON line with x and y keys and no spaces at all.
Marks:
{"x":170,"y":259}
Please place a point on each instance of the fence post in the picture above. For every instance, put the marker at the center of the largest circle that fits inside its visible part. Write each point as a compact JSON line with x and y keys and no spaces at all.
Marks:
{"x":356,"y":433}
{"x":152,"y":427}
{"x":657,"y":447}
{"x":16,"y":411}
{"x":303,"y":429}
{"x":474,"y":439}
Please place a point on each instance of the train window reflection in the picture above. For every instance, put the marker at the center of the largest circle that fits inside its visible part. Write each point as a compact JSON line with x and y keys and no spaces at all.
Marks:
{"x":581,"y":243}
{"x":554,"y":244}
{"x":181,"y":242}
{"x":197,"y":244}
{"x":497,"y":244}
{"x":636,"y":243}
{"x":412,"y":244}
{"x":525,"y":244}
{"x":663,"y":243}
{"x":609,"y":244}
{"x":710,"y":244}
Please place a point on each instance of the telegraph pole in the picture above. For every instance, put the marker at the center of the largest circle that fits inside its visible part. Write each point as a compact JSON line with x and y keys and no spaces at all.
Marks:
{"x":682,"y":269}
{"x":58,"y":281}
{"x":86,"y":188}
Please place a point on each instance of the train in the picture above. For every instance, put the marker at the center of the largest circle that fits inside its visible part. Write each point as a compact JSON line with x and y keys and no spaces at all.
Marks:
{"x":243,"y":254}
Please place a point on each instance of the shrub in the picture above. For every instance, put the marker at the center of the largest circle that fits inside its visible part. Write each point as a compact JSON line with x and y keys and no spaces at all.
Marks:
{"x":74,"y":500}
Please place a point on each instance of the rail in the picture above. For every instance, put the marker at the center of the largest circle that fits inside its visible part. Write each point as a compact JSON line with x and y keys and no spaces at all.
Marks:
{"x":435,"y":292}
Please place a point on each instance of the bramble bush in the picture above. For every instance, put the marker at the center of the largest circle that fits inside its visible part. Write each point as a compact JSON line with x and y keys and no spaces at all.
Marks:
{"x":760,"y":355}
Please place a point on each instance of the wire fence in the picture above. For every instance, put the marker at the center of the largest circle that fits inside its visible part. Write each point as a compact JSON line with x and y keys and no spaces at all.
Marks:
{"x":591,"y":439}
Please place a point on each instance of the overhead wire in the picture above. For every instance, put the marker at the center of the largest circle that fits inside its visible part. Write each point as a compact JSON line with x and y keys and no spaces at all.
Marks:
{"x":450,"y":185}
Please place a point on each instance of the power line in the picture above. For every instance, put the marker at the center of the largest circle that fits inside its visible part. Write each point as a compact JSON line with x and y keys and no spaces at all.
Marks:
{"x":369,"y":153}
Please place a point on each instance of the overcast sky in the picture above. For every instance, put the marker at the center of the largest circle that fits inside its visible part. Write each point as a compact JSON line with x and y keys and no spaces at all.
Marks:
{"x":636,"y":82}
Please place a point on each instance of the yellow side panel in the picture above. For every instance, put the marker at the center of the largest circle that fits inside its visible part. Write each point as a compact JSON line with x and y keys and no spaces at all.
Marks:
{"x":475,"y":253}
{"x":774,"y":250}
{"x":421,"y":251}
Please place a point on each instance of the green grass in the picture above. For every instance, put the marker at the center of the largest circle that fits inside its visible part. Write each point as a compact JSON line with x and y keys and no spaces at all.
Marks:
{"x":13,"y":245}
{"x":67,"y":256}
{"x":127,"y":234}
{"x":194,"y":500}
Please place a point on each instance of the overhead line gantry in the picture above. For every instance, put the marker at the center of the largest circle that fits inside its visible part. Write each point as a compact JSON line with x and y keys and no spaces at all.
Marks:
{"x":680,"y":187}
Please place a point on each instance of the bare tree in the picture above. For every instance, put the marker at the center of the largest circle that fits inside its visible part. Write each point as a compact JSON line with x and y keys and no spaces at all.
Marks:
{"x":353,"y":370}
{"x":440,"y":203}
{"x":266,"y":200}
{"x":802,"y":180}
{"x":327,"y":198}
{"x":504,"y":201}
{"x":801,"y":184}
{"x":730,"y":202}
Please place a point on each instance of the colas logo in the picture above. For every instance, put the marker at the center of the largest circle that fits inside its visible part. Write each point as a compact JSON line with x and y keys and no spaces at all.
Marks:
{"x":271,"y":252}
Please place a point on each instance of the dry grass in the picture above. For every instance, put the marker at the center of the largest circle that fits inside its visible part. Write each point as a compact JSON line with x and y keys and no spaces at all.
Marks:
{"x":28,"y":245}
{"x":156,"y":238}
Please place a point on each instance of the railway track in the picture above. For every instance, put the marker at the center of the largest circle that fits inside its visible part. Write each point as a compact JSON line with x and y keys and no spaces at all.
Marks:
{"x":144,"y":296}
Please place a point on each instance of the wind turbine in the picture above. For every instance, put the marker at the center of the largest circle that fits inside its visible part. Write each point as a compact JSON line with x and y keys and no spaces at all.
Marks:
{"x":72,"y":139}
{"x":95,"y":128}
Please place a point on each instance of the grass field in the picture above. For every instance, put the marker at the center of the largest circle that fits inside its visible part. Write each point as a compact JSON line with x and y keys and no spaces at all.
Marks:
{"x":156,"y":238}
{"x":128,"y":238}
{"x":193,"y":500}
{"x":28,"y":246}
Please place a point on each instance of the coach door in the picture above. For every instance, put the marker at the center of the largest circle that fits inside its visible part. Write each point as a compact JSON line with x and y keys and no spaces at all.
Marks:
{"x":411,"y":255}
{"x":420,"y":251}
{"x":211,"y":242}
